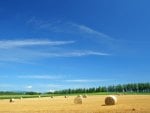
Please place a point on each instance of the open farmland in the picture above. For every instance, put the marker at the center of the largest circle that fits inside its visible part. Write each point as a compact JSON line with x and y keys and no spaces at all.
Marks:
{"x":92,"y":104}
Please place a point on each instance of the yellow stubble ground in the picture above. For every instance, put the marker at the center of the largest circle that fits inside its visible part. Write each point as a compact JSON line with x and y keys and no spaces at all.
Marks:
{"x":91,"y":104}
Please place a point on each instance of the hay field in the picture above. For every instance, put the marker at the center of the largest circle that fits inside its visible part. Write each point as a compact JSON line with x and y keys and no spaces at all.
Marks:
{"x":92,"y":104}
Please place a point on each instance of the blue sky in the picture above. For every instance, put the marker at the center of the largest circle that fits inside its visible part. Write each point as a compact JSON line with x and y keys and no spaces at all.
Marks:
{"x":47,"y":45}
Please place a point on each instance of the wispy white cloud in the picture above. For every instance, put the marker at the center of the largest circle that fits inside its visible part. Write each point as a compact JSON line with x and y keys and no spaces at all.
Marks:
{"x":39,"y":77}
{"x":30,"y":50}
{"x":89,"y":31}
{"x":29,"y":56}
{"x":14,"y":52}
{"x":82,"y":33}
{"x":23,"y":43}
{"x":74,"y":54}
{"x":68,"y":27}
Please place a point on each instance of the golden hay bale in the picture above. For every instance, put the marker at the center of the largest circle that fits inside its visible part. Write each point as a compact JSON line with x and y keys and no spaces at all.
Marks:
{"x":78,"y":100}
{"x":12,"y":100}
{"x":66,"y":96}
{"x":39,"y":96}
{"x":84,"y":96}
{"x":110,"y":100}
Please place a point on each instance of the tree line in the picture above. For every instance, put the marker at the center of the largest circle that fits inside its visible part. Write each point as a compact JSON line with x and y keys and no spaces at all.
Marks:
{"x":19,"y":93}
{"x":132,"y":87}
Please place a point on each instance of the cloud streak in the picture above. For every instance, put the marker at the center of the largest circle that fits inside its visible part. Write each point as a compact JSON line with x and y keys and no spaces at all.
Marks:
{"x":29,"y":56}
{"x":89,"y":31}
{"x":24,"y":43}
{"x":68,"y":27}
{"x":30,"y":50}
{"x":81,"y":33}
{"x":80,"y":53}
{"x":21,"y":51}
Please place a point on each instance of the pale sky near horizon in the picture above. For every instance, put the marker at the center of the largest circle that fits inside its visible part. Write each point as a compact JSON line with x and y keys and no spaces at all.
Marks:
{"x":48,"y":45}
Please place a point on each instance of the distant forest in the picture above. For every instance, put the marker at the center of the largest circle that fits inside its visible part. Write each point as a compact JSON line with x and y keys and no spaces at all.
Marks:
{"x":132,"y":87}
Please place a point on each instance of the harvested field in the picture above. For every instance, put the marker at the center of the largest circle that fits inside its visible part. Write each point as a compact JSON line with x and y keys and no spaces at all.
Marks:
{"x":92,"y":104}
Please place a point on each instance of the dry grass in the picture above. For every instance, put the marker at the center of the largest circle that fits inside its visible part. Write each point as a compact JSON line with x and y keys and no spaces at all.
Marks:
{"x":93,"y":104}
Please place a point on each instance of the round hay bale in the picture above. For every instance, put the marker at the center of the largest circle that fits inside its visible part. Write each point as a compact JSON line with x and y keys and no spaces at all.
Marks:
{"x":66,"y":96}
{"x":110,"y":100}
{"x":78,"y":100}
{"x":51,"y":96}
{"x":39,"y":96}
{"x":12,"y":100}
{"x":84,"y":96}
